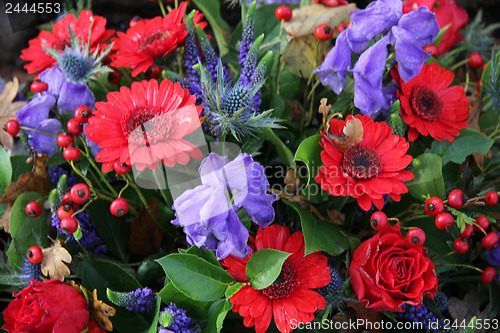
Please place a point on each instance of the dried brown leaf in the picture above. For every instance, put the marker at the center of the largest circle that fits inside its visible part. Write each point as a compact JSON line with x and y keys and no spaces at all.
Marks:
{"x":35,"y":180}
{"x":324,"y":110}
{"x":351,"y":135}
{"x":293,"y":181}
{"x":101,"y":312}
{"x":146,"y":236}
{"x":307,"y":18}
{"x":368,"y":315}
{"x":4,"y":220}
{"x":467,"y":308}
{"x":8,"y":109}
{"x":54,"y":259}
{"x":300,"y":52}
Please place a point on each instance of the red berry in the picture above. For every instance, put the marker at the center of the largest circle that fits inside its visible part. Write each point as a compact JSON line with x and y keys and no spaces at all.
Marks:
{"x":283,"y":13}
{"x":483,"y":222}
{"x":341,"y":27}
{"x":444,"y":221}
{"x":431,"y":48}
{"x":80,"y":193}
{"x":323,"y":32}
{"x":82,"y":114}
{"x":489,"y":275}
{"x":114,"y":77}
{"x":33,"y":209}
{"x":64,"y":140}
{"x":66,"y":199}
{"x":491,"y":198}
{"x":469,"y":229}
{"x":74,"y":127}
{"x":416,"y":236}
{"x":71,"y":153}
{"x":490,"y":240}
{"x":69,"y":225}
{"x":153,"y":72}
{"x":119,"y":207}
{"x":35,"y":254}
{"x":121,"y":168}
{"x":38,"y":86}
{"x":64,"y":211}
{"x":460,"y":245}
{"x":434,"y":206}
{"x":12,"y":127}
{"x":474,"y":60}
{"x":378,"y":220}
{"x":457,"y":198}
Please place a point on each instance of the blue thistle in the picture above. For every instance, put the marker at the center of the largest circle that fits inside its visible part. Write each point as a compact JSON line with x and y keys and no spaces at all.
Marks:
{"x":173,"y":319}
{"x":333,"y":291}
{"x":441,"y":301}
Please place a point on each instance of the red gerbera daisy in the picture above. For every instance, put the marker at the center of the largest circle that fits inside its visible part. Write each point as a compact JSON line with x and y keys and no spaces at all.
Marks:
{"x":145,"y":124}
{"x":150,"y":39}
{"x":367,"y":170}
{"x":430,"y":106}
{"x":60,"y":37}
{"x":289,"y":299}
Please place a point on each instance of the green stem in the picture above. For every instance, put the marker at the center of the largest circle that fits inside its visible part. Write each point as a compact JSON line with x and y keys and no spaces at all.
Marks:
{"x":162,"y":8}
{"x":139,"y":193}
{"x":38,"y":131}
{"x":458,"y":64}
{"x":460,"y":265}
{"x":165,"y":193}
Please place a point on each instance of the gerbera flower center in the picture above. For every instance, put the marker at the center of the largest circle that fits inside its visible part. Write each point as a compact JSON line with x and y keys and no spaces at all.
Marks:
{"x":284,"y":285}
{"x":361,"y":162}
{"x":155,"y":36}
{"x":141,"y":127}
{"x":426,"y":103}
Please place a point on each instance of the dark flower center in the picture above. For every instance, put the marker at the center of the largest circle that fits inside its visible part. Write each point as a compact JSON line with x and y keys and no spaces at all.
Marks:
{"x":361,"y":163}
{"x":284,"y":285}
{"x":155,"y":36}
{"x":144,"y":126}
{"x":426,"y":103}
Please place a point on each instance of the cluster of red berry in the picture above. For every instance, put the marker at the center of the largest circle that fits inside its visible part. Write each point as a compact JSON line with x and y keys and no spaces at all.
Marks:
{"x":379,"y":221}
{"x":444,"y":221}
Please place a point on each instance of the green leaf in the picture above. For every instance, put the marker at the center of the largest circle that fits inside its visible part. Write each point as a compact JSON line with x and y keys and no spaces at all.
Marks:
{"x":428,"y":180}
{"x":471,"y":327}
{"x":216,"y":315}
{"x":154,"y":325}
{"x":440,"y":35}
{"x":284,"y":152}
{"x":309,"y":152}
{"x":5,"y":169}
{"x":19,"y":166}
{"x":233,"y":289}
{"x":204,"y":254}
{"x":195,"y":309}
{"x":211,"y":10}
{"x":196,"y":277}
{"x":26,"y":231}
{"x":469,"y":141}
{"x":264,"y":267}
{"x":320,"y":235}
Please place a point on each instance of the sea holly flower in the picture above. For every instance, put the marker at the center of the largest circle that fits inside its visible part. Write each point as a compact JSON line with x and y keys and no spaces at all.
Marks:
{"x":86,"y":24}
{"x":290,"y":300}
{"x":208,"y":212}
{"x":430,"y":106}
{"x":367,"y":170}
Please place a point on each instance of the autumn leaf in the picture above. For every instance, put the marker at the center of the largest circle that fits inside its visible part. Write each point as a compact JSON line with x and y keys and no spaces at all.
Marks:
{"x":4,"y":220}
{"x":8,"y":109}
{"x":101,"y":312}
{"x":146,"y":236}
{"x":300,"y":52}
{"x":351,"y":135}
{"x":293,"y":181}
{"x":54,"y":259}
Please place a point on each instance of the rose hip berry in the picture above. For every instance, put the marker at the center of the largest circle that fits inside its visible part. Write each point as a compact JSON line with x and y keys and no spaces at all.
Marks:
{"x":434,"y":206}
{"x":491,"y":198}
{"x":444,"y":221}
{"x":153,"y":72}
{"x":69,"y":225}
{"x":35,"y":254}
{"x":33,"y":209}
{"x":431,"y":48}
{"x":67,"y":200}
{"x":119,"y":207}
{"x":80,"y":193}
{"x":457,"y":198}
{"x":323,"y":32}
{"x":474,"y":60}
{"x":121,"y":168}
{"x":378,"y":220}
{"x":467,"y":231}
{"x":71,"y":153}
{"x":283,"y":13}
{"x":416,"y":236}
{"x":114,"y":77}
{"x":38,"y":86}
{"x":342,"y":26}
{"x":489,"y":275}
{"x":74,"y":127}
{"x":64,"y":140}
{"x":12,"y":127}
{"x":483,"y":222}
{"x":460,"y":246}
{"x":64,"y":211}
{"x":490,"y":240}
{"x":82,"y":114}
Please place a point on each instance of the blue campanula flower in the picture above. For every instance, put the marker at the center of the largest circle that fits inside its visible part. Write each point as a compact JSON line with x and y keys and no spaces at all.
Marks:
{"x":208,"y":212}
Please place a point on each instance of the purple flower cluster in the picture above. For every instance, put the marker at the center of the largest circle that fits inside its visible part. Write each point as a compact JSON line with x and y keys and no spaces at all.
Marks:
{"x":56,"y":172}
{"x":35,"y":114}
{"x":173,"y":319}
{"x":407,"y":33}
{"x":422,"y":315}
{"x":493,"y":256}
{"x":140,"y":300}
{"x":208,"y":212}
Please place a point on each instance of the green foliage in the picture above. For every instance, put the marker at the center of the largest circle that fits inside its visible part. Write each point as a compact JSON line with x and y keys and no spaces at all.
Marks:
{"x":195,"y":309}
{"x":216,"y":315}
{"x":428,"y":177}
{"x":264,"y":267}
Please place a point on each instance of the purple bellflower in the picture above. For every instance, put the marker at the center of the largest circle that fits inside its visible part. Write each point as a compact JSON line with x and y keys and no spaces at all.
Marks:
{"x":407,"y":33}
{"x":208,"y":212}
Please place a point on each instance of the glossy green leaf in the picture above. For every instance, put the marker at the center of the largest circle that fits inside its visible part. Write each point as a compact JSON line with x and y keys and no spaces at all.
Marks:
{"x":216,"y":315}
{"x":196,"y":277}
{"x":233,"y":289}
{"x":195,"y":309}
{"x":5,"y":169}
{"x":154,"y":325}
{"x":264,"y":267}
{"x":428,"y":177}
{"x":204,"y":254}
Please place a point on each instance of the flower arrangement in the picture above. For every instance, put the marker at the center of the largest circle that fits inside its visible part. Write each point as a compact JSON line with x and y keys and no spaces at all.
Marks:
{"x":316,"y":165}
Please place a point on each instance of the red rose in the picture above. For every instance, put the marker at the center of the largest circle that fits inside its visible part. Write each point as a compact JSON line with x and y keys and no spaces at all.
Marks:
{"x":388,"y":271}
{"x":447,"y":12}
{"x":47,"y":307}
